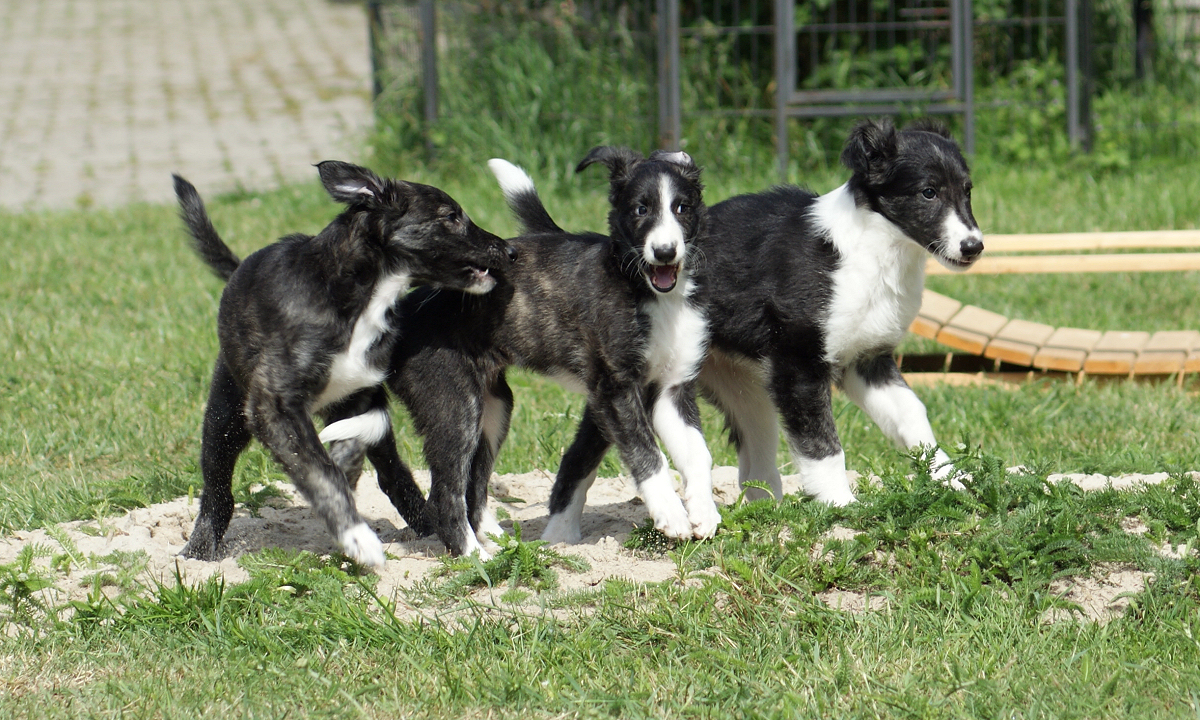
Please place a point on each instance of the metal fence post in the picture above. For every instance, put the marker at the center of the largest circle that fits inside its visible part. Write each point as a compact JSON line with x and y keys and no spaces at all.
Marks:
{"x":1074,"y":133}
{"x":784,"y":82}
{"x":429,"y":73}
{"x":670,"y":105}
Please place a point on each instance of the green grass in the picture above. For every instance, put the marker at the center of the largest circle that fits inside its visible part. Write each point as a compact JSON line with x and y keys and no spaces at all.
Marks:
{"x":107,"y":344}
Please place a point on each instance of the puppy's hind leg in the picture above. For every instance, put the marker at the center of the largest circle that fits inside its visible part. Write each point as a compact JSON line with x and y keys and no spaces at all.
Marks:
{"x":879,"y":389}
{"x":803,"y":398}
{"x":576,"y":473}
{"x":362,"y":424}
{"x":737,"y":390}
{"x":497,"y":412}
{"x":286,"y":430}
{"x":224,"y":438}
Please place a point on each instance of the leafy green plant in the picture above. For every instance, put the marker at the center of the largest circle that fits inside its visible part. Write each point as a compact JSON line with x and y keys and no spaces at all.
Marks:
{"x":518,"y":562}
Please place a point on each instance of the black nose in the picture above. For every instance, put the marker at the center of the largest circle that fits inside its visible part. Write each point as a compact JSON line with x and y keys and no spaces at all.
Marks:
{"x":664,"y":254}
{"x":512,"y":253}
{"x":971,"y":248}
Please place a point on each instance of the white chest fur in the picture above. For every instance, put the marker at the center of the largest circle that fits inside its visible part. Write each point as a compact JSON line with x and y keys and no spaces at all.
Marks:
{"x":350,"y":370}
{"x":877,"y":285}
{"x":678,"y":338}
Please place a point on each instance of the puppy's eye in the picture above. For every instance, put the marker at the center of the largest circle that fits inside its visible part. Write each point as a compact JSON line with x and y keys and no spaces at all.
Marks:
{"x":682,"y":208}
{"x":641,"y":210}
{"x":452,"y":217}
{"x":929,"y":193}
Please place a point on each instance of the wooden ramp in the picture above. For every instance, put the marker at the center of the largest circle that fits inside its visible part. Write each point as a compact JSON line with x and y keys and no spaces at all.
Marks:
{"x":976,"y":331}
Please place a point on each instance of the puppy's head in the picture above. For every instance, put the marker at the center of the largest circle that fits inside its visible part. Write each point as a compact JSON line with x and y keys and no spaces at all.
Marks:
{"x":418,"y":227}
{"x":917,"y":179}
{"x":657,"y":210}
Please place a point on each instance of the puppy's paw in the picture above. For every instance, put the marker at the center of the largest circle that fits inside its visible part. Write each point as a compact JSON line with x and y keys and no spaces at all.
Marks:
{"x":361,"y":544}
{"x":837,"y":497}
{"x":562,"y":529}
{"x":489,"y":527}
{"x":473,"y":547}
{"x":948,"y":475}
{"x":704,"y":516}
{"x":203,"y":544}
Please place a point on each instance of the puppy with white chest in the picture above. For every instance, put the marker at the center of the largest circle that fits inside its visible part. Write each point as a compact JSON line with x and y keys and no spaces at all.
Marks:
{"x":805,"y":291}
{"x":609,"y":316}
{"x":306,"y":327}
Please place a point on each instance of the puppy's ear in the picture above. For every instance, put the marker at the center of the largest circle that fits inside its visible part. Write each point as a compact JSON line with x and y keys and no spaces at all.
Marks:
{"x":680,"y":159}
{"x":936,"y":127}
{"x":871,"y":149}
{"x":351,"y":184}
{"x":619,"y":160}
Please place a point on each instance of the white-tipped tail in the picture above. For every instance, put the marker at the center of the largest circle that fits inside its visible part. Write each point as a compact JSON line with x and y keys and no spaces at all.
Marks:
{"x":369,"y":428}
{"x":513,"y":180}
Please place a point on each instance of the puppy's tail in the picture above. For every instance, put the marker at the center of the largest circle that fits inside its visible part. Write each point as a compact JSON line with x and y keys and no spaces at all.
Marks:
{"x":522,"y":197}
{"x":205,"y":240}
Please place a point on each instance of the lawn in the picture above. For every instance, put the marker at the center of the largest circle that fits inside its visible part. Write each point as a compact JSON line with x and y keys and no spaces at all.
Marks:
{"x":104,"y":364}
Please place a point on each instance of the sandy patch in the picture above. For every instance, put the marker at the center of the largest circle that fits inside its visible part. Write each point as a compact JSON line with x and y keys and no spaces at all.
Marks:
{"x":613,"y":511}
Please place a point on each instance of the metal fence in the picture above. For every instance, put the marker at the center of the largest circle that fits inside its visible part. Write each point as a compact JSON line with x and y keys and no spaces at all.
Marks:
{"x":1019,"y":78}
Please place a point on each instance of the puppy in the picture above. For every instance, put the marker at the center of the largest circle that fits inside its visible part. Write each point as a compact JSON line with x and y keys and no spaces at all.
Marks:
{"x":805,"y":291}
{"x":306,"y":326}
{"x":608,"y":316}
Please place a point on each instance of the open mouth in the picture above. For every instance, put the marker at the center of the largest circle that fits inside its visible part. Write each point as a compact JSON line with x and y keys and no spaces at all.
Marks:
{"x":957,"y":264}
{"x":663,"y":277}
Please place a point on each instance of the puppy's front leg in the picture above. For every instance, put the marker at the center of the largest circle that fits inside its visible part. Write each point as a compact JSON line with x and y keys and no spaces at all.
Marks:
{"x":878,"y":387}
{"x":677,"y":422}
{"x":623,"y":413}
{"x":288,"y":433}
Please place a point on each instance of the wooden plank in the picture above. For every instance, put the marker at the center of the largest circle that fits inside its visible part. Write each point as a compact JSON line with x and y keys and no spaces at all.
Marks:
{"x":1011,"y":351}
{"x":1066,"y":349}
{"x":937,"y":307}
{"x":1032,"y":264}
{"x":961,"y":339}
{"x":1058,"y":242}
{"x":1166,"y":352}
{"x":1192,"y":364}
{"x":1115,"y":353}
{"x":976,"y":319}
{"x":1024,"y":331}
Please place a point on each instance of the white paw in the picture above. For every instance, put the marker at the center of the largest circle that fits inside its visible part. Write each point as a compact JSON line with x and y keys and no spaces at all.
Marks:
{"x":472,"y":547}
{"x":837,"y":497}
{"x":945,"y":472}
{"x":562,"y":529}
{"x":488,"y":526}
{"x":361,"y":544}
{"x":704,"y":516}
{"x":664,"y":506}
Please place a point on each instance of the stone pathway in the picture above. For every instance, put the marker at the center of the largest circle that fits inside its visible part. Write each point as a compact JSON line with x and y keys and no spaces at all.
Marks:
{"x":101,"y":100}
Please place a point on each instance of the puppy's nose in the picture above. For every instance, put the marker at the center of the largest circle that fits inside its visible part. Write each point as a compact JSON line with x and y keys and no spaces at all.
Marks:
{"x":665,"y":254}
{"x":970,"y":248}
{"x":512,"y":253}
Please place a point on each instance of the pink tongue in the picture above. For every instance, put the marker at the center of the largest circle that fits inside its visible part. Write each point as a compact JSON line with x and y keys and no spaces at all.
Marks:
{"x":664,"y":276}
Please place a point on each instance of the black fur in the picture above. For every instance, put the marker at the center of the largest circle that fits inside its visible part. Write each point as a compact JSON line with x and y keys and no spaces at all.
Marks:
{"x":781,"y":297}
{"x":575,"y":309}
{"x":287,"y":327}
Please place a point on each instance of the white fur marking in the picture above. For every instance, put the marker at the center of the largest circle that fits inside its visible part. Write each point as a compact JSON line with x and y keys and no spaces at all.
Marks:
{"x":369,"y":428}
{"x":513,"y":180}
{"x":350,"y":370}
{"x":362,"y":545}
{"x":876,"y":286}
{"x":690,"y":454}
{"x":667,"y":233}
{"x":658,"y":492}
{"x":825,"y":479}
{"x":564,"y":527}
{"x":678,"y":338}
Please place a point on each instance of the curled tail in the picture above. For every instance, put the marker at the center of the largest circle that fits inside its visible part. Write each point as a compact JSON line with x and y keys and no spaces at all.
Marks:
{"x":522,"y":197}
{"x":205,"y":240}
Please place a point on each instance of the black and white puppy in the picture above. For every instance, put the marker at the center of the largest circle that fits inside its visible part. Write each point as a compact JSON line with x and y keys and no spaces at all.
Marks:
{"x":306,"y":326}
{"x":608,"y":316}
{"x":802,"y":292}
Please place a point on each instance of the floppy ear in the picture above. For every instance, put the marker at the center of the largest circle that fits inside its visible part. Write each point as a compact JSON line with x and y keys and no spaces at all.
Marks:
{"x":351,"y":184}
{"x":936,"y":127}
{"x":681,"y":160}
{"x":870,"y":149}
{"x":618,"y":160}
